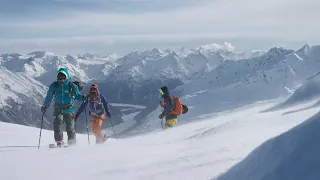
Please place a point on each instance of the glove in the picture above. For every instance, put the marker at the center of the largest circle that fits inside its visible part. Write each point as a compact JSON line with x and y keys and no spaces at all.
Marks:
{"x":161,"y":115}
{"x":108,"y":114}
{"x":84,"y":97}
{"x":161,"y":103}
{"x":75,"y":117}
{"x":43,"y":109}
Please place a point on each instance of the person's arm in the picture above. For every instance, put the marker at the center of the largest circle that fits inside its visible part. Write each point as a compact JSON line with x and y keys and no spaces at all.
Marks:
{"x":80,"y":110}
{"x":105,"y":105}
{"x":49,"y":96}
{"x":76,"y":93}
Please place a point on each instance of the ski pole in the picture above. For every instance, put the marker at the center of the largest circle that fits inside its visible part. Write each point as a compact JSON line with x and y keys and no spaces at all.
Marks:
{"x":162,"y":123}
{"x":41,"y":129}
{"x":85,"y":111}
{"x":113,"y":129}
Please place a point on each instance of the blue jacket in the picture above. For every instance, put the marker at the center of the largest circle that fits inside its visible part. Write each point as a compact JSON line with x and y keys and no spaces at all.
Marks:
{"x":96,"y":108}
{"x":62,"y":96}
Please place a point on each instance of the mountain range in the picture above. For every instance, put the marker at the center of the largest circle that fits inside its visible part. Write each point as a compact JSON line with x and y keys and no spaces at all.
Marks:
{"x":210,"y":79}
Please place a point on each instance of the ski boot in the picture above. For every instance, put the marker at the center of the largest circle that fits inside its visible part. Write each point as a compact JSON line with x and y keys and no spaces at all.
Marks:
{"x":60,"y":143}
{"x":102,"y":139}
{"x":72,"y":142}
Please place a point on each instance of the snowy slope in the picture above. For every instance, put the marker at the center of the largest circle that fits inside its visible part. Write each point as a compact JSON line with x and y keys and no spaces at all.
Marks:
{"x":200,"y":150}
{"x":20,"y":98}
{"x":307,"y":91}
{"x":292,"y":155}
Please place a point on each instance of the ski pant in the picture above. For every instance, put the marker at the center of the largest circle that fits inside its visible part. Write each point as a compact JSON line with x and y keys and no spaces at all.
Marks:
{"x":96,"y":124}
{"x":170,"y":122}
{"x":58,"y":120}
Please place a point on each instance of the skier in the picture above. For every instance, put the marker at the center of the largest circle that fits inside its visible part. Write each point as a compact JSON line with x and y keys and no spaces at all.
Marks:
{"x":64,"y":93}
{"x":171,"y":107}
{"x":98,"y":108}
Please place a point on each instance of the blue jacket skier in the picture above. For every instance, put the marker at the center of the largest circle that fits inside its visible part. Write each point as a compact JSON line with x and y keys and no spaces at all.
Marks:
{"x":64,"y":92}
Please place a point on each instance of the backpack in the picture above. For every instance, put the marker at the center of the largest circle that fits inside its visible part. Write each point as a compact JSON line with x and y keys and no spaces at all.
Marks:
{"x":98,"y":100}
{"x":92,"y":99}
{"x":77,"y":83}
{"x":179,"y":109}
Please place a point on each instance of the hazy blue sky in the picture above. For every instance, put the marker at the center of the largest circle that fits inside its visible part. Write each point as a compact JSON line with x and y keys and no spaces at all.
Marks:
{"x":121,"y":26}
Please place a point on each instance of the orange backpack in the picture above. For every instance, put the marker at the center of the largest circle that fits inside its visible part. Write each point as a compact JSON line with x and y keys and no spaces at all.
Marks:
{"x":179,"y":109}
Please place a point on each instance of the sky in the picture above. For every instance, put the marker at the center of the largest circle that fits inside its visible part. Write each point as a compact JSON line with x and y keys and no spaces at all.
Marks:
{"x":122,"y":26}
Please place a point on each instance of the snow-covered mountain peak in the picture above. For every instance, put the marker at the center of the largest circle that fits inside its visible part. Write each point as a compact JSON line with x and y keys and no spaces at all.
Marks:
{"x":41,"y":54}
{"x":184,"y":52}
{"x":137,"y":57}
{"x":305,"y":48}
{"x":43,"y":64}
{"x":173,"y":54}
{"x":112,"y":57}
{"x":91,"y":56}
{"x":276,"y":54}
{"x":279,"y":51}
{"x":304,"y":52}
{"x":7,"y":56}
{"x":155,"y":53}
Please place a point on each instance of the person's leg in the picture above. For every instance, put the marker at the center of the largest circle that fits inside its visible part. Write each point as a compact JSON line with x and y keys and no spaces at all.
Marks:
{"x":96,"y":124}
{"x":170,"y":122}
{"x":93,"y":124}
{"x":57,"y":127}
{"x":70,"y":127}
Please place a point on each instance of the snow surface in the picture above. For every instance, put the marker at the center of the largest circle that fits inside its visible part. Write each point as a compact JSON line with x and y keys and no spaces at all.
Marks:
{"x":292,"y":155}
{"x":203,"y":149}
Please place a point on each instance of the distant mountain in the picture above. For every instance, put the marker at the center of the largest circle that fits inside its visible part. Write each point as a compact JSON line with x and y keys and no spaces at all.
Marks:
{"x":235,"y":83}
{"x":211,"y":77}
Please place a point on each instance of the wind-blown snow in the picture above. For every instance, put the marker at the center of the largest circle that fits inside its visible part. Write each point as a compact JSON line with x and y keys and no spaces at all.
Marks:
{"x":292,"y":155}
{"x":309,"y":90}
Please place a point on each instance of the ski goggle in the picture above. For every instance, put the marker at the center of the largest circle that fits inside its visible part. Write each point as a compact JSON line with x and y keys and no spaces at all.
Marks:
{"x":161,"y":92}
{"x":61,"y":76}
